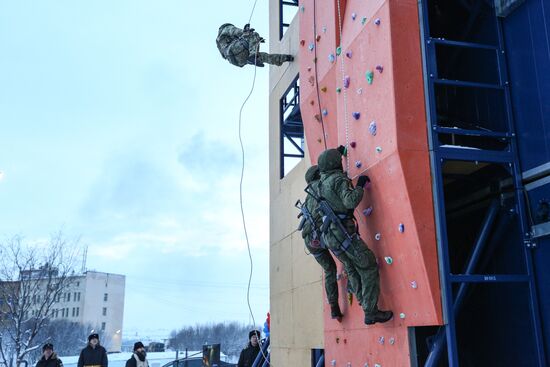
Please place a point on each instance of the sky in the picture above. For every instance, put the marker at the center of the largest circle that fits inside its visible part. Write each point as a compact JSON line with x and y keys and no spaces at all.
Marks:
{"x":119,"y":126}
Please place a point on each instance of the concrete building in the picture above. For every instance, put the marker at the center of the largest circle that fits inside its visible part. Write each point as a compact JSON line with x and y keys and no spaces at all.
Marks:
{"x":297,"y":293}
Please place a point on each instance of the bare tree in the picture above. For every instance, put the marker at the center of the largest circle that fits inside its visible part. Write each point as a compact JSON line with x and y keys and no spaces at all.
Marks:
{"x":32,"y":278}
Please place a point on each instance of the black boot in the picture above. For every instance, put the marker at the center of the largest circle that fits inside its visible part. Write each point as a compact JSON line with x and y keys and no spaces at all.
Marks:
{"x":289,"y":58}
{"x":378,"y":316}
{"x":335,"y":312}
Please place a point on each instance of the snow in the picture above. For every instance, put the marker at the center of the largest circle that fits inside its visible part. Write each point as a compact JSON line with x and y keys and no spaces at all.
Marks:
{"x":156,"y":359}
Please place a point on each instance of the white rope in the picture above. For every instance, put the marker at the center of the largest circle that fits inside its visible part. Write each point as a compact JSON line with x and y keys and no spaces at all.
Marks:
{"x":344,"y":89}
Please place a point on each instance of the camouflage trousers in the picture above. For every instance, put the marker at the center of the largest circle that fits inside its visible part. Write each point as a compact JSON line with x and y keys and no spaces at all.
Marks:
{"x":360,"y":264}
{"x":324,"y":258}
{"x":247,"y":47}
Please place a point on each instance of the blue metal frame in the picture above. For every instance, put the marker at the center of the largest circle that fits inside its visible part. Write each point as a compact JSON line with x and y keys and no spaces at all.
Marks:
{"x":438,"y":155}
{"x":282,"y":24}
{"x":290,"y":128}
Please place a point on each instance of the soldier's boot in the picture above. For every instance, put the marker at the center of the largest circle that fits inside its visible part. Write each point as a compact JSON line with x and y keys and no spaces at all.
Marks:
{"x":335,"y":312}
{"x":378,"y":316}
{"x":275,"y":59}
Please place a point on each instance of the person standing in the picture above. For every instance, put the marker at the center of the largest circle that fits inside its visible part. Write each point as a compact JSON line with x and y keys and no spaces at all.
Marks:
{"x":249,"y":354}
{"x":93,"y":355}
{"x":49,"y":357}
{"x":138,"y":359}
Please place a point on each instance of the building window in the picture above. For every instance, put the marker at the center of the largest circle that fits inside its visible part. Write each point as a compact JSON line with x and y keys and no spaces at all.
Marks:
{"x":74,"y":311}
{"x":291,"y":142}
{"x":77,"y":311}
{"x":105,"y":297}
{"x":287,"y":11}
{"x":102,"y":326}
{"x":78,"y":296}
{"x":104,"y":311}
{"x":69,"y":297}
{"x":78,"y":284}
{"x":74,"y":296}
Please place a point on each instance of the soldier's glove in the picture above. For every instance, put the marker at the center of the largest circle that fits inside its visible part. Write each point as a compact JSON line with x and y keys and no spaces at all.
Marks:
{"x":342,"y":149}
{"x":247,"y":29}
{"x":362,"y":181}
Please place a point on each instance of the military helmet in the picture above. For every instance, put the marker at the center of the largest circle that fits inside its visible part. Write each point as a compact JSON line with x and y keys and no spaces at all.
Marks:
{"x":223,"y":26}
{"x":312,"y":174}
{"x":329,"y":160}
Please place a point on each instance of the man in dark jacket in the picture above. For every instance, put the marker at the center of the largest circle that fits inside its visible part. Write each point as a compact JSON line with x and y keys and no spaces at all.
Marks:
{"x":49,"y":357}
{"x":249,"y":354}
{"x":94,"y":355}
{"x":138,"y":358}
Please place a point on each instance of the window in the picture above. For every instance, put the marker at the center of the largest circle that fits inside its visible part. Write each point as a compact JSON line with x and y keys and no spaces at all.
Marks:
{"x":79,"y":296}
{"x":102,"y":326}
{"x":74,"y":296}
{"x":77,"y":311}
{"x":104,"y":311}
{"x":105,"y":297}
{"x":78,"y":284}
{"x":291,"y":129}
{"x":69,"y":297}
{"x":287,"y":10}
{"x":74,"y":312}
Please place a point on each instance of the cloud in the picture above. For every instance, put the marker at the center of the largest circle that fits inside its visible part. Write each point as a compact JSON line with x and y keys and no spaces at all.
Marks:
{"x":203,"y":156}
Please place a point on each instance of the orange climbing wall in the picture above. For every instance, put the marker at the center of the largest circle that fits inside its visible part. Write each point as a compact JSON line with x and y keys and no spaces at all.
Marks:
{"x":379,"y":39}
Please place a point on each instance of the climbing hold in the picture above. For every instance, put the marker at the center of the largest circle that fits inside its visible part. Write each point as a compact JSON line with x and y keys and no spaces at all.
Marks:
{"x":377,"y":21}
{"x":338,"y":50}
{"x":401,"y":315}
{"x":302,"y":9}
{"x":377,"y":365}
{"x":346,"y":81}
{"x":348,"y":54}
{"x":311,"y":80}
{"x":324,"y":29}
{"x":366,"y":365}
{"x":324,"y":112}
{"x":331,"y":58}
{"x":353,"y":16}
{"x":380,"y":68}
{"x":353,"y":144}
{"x":318,"y":38}
{"x":333,"y":362}
{"x":377,"y":236}
{"x":368,"y":211}
{"x":401,"y":227}
{"x":349,"y":363}
{"x":392,"y":341}
{"x":388,"y":260}
{"x":359,"y":90}
{"x":338,"y":89}
{"x":358,"y":164}
{"x":414,"y":285}
{"x":372,"y":128}
{"x":356,"y":115}
{"x":323,"y":89}
{"x":370,"y":76}
{"x":319,"y":140}
{"x":378,"y":149}
{"x":309,"y":68}
{"x":363,"y":20}
{"x":345,"y":153}
{"x":318,"y":118}
{"x":381,"y":340}
{"x":302,"y":42}
{"x":312,"y":102}
{"x":311,"y":46}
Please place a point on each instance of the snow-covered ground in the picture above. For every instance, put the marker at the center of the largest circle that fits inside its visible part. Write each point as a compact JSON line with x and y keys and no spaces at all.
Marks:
{"x":156,"y":359}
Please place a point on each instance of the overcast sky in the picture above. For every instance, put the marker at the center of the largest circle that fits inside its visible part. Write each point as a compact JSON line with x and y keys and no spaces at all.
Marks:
{"x":118,"y":124}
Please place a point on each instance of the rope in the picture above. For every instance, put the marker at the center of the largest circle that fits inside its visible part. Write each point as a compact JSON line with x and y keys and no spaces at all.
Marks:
{"x":317,"y":74}
{"x":346,"y":121}
{"x":252,"y":12}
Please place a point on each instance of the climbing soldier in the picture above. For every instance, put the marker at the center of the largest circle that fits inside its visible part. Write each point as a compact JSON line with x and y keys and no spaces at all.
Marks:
{"x":339,"y":231}
{"x":310,"y":225}
{"x":242,"y":46}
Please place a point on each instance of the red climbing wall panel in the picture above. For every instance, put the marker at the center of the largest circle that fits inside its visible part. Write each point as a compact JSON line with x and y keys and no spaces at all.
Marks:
{"x":380,"y":115}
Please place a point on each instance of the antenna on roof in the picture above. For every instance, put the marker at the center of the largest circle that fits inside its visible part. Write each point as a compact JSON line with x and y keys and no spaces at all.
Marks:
{"x":84,"y":258}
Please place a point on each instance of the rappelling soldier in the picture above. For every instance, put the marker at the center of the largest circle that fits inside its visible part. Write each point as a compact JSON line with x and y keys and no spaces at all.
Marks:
{"x":339,"y":231}
{"x":242,"y":46}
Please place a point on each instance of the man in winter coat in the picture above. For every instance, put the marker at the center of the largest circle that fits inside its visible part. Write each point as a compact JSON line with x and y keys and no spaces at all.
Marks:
{"x":242,"y":46}
{"x":312,"y":239}
{"x":138,"y":358}
{"x":94,"y":355}
{"x":249,"y":354}
{"x":338,"y":191}
{"x":49,"y":357}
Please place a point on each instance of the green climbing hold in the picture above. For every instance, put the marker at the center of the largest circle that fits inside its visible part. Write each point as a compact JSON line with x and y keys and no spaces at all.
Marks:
{"x":338,"y":50}
{"x":345,"y":154}
{"x":338,"y":89}
{"x":370,"y":76}
{"x":363,"y":20}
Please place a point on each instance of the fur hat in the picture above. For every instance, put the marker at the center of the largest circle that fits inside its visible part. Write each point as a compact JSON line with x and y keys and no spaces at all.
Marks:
{"x":252,"y":333}
{"x":47,"y":346}
{"x":138,"y":345}
{"x":93,"y":336}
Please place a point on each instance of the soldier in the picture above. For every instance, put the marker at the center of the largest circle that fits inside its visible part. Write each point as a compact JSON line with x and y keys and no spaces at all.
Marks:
{"x":241,"y":47}
{"x":341,"y":235}
{"x":312,"y":238}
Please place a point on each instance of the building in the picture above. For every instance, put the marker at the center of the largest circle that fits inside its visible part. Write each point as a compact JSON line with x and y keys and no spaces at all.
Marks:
{"x":442,"y":103}
{"x":95,"y":299}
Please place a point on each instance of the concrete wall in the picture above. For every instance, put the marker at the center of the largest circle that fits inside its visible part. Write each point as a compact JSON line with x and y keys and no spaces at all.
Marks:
{"x":297,"y":295}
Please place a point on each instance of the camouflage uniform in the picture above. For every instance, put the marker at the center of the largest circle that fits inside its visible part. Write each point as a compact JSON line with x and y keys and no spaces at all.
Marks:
{"x":241,"y":48}
{"x":336,"y":188}
{"x":321,"y":254}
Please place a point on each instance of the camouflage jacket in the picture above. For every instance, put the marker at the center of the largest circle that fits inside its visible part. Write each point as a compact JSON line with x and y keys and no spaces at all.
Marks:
{"x":337,"y":189}
{"x":313,"y":208}
{"x":226,"y":35}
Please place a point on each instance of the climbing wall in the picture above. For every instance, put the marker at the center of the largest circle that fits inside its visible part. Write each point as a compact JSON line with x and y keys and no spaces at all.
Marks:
{"x":362,"y":87}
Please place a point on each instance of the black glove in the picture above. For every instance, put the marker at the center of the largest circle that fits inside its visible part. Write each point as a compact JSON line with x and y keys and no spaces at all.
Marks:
{"x":342,"y":149}
{"x":362,"y":181}
{"x":247,"y":29}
